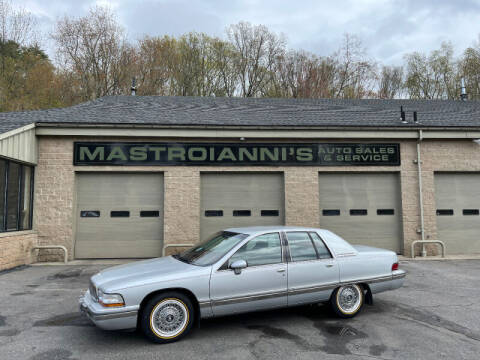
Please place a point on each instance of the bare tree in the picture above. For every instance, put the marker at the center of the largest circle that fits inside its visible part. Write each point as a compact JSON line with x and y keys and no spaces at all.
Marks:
{"x":16,"y":24}
{"x":94,"y":47}
{"x":16,"y":27}
{"x":256,"y":50}
{"x":434,"y":76}
{"x":355,"y":72}
{"x":225,"y":59}
{"x":390,"y":82}
{"x":155,"y":65}
{"x":469,"y":68}
{"x":196,"y":72}
{"x":299,"y":74}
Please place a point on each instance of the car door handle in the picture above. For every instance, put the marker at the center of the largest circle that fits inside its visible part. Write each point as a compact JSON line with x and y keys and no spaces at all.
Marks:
{"x":329,"y":265}
{"x":281,"y":270}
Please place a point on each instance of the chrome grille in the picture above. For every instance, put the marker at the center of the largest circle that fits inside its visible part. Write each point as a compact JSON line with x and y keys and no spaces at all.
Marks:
{"x":93,"y":291}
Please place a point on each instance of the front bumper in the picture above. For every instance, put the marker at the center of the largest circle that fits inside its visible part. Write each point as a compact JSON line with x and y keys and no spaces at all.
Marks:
{"x":108,"y":319}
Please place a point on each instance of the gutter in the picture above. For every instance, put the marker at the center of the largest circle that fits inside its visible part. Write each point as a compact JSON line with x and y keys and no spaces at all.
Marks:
{"x":249,"y":127}
{"x":420,"y":192}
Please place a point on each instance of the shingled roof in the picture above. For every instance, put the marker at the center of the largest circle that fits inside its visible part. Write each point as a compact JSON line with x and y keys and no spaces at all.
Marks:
{"x":211,"y":111}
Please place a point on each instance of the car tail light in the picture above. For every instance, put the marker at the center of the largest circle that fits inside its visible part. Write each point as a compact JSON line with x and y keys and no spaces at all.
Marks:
{"x":395,"y":266}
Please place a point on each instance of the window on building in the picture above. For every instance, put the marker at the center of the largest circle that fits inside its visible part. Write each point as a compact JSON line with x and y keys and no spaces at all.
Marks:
{"x":26,"y":199}
{"x":385,"y":212}
{"x":13,"y":193}
{"x":331,"y":212}
{"x":444,"y":212}
{"x":16,"y":191}
{"x":269,"y":213}
{"x":149,"y":213}
{"x":3,"y":172}
{"x":242,"y":213}
{"x":119,"y":213}
{"x":90,"y":213}
{"x":358,"y":212}
{"x":210,"y":213}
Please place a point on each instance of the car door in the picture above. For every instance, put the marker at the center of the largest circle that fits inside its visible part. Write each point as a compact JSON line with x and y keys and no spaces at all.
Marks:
{"x":261,"y":285}
{"x":312,"y":271}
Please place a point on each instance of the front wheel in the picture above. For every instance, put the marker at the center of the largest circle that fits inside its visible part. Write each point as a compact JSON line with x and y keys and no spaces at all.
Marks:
{"x":167,"y":317}
{"x":346,"y":301}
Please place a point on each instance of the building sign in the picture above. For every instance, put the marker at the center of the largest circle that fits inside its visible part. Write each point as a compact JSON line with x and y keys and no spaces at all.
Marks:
{"x":239,"y":154}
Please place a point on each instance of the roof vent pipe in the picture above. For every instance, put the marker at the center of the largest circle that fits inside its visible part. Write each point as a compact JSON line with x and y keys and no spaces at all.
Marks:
{"x":402,"y":115}
{"x":134,"y":87}
{"x":463,"y":93}
{"x":415,"y":117}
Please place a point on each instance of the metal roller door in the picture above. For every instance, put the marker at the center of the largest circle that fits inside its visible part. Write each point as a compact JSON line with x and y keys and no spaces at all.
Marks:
{"x":457,"y":198}
{"x":363,"y":208}
{"x":235,"y":200}
{"x":119,"y":215}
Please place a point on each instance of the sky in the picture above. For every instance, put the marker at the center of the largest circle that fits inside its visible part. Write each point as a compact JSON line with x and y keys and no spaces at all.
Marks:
{"x":388,"y":28}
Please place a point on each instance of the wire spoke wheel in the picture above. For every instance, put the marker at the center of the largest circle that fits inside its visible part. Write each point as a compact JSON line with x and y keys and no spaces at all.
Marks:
{"x":347,"y":300}
{"x":169,"y":318}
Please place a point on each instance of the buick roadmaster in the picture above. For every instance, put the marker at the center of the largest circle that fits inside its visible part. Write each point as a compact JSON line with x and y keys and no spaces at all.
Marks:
{"x":239,"y":270}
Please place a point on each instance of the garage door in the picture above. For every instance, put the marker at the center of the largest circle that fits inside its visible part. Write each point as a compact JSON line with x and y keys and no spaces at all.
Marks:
{"x":457,"y":198}
{"x":234,"y":200}
{"x":363,"y":208}
{"x":119,"y":215}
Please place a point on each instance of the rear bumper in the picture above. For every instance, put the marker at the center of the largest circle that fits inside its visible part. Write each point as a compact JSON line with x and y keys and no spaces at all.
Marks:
{"x":386,"y":283}
{"x":108,"y":319}
{"x":398,"y":278}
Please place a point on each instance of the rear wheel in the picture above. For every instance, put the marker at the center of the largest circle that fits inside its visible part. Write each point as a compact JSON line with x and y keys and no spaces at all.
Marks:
{"x":167,"y":317}
{"x":347,"y":301}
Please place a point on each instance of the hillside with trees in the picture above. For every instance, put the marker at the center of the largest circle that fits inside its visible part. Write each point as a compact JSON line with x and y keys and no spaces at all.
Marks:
{"x":94,"y":58}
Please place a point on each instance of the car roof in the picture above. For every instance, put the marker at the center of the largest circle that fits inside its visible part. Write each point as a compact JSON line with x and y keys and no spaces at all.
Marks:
{"x":252,"y":230}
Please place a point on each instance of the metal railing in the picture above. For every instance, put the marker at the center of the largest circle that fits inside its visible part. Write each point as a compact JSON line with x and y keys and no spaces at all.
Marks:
{"x":60,"y":247}
{"x":441,"y":243}
{"x":165,"y":247}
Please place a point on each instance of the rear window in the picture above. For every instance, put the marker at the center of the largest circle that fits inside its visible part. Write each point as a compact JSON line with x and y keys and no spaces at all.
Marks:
{"x":301,"y":246}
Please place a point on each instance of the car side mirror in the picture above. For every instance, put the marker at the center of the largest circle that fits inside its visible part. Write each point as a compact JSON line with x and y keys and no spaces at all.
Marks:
{"x":238,"y":265}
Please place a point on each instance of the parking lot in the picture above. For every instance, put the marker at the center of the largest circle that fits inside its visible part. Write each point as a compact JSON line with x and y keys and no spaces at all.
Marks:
{"x":435,"y":315}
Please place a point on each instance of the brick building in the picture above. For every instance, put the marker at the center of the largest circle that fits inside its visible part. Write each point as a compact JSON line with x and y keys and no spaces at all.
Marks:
{"x":136,"y":177}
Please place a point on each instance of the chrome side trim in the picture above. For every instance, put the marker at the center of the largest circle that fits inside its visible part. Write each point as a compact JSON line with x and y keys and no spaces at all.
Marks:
{"x":297,"y":291}
{"x":376,"y":279}
{"x":240,"y":299}
{"x":306,"y":290}
{"x":346,"y":255}
{"x":204,"y":304}
{"x":399,"y":276}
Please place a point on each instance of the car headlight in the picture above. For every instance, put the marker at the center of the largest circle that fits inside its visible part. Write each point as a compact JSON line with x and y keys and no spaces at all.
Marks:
{"x":110,"y":300}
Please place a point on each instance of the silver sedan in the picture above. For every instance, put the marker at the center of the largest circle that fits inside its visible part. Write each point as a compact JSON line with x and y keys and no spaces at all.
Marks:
{"x":239,"y":270}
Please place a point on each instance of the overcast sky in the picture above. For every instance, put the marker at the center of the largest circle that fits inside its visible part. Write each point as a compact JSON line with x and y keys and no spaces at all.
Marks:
{"x":388,"y":28}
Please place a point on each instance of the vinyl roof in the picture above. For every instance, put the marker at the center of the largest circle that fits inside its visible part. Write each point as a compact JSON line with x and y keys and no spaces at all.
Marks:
{"x":211,"y":111}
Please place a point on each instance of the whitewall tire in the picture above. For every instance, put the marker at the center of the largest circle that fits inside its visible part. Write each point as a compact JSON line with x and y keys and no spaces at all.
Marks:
{"x":347,"y":300}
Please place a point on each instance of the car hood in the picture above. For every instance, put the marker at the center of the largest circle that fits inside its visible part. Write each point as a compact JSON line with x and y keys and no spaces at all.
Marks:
{"x":142,"y":272}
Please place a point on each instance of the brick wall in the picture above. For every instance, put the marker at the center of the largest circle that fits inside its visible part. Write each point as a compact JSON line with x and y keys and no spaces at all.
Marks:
{"x":16,"y":248}
{"x":55,"y":189}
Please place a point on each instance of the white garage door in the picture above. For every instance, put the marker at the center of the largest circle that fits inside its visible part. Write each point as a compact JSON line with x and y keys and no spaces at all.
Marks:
{"x":235,"y":200}
{"x":119,"y":215}
{"x":457,"y":197}
{"x":363,"y":208}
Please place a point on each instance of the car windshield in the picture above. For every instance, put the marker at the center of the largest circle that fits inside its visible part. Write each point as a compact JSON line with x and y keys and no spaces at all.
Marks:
{"x":212,"y":250}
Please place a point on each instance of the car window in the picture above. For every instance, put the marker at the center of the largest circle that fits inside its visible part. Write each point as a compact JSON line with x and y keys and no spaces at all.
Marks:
{"x":322,"y":250}
{"x":212,"y":249}
{"x":301,"y":247}
{"x":262,"y":250}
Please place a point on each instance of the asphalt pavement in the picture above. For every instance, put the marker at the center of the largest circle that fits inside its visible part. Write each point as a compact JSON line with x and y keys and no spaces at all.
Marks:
{"x":436,"y":315}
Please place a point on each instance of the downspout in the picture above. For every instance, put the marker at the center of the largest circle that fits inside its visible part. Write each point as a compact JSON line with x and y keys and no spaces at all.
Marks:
{"x":420,"y":191}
